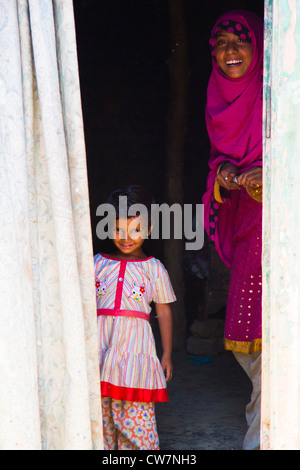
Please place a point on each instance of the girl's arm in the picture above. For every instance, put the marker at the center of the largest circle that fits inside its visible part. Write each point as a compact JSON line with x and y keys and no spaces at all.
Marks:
{"x":165,"y":322}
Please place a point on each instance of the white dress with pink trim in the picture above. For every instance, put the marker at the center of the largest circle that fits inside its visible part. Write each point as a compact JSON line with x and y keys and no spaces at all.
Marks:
{"x":129,"y":366}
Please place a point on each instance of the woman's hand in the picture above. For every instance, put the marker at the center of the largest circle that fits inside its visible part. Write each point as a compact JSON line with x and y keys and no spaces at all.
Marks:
{"x":226,"y":175}
{"x":251,"y":178}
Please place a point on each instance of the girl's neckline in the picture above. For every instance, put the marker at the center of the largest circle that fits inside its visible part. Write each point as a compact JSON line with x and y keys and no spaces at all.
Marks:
{"x":123,"y":259}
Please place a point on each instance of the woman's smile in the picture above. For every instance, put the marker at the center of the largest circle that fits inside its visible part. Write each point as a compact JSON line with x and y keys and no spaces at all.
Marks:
{"x":234,"y":65}
{"x":233,"y":62}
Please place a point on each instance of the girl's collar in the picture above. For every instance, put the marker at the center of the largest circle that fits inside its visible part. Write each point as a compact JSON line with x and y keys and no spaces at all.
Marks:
{"x":115,"y":258}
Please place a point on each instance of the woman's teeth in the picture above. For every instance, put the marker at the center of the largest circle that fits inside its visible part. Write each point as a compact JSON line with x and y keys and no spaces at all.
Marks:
{"x":233,"y":62}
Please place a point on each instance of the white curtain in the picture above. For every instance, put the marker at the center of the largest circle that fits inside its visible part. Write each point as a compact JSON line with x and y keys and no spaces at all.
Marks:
{"x":49,"y":374}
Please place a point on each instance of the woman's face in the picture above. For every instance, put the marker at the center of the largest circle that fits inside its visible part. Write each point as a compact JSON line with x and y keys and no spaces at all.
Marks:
{"x":233,"y":55}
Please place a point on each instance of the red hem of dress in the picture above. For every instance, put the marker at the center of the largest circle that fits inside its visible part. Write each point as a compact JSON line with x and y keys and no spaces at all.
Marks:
{"x":133,"y":394}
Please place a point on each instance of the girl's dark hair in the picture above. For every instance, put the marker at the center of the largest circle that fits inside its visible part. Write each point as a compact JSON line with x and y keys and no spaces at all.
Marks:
{"x":135,"y":195}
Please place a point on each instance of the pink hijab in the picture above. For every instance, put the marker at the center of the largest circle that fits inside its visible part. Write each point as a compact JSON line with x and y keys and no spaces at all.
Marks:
{"x":234,"y":124}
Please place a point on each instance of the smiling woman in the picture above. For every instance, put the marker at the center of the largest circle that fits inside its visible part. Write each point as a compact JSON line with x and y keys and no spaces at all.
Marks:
{"x":233,"y":213}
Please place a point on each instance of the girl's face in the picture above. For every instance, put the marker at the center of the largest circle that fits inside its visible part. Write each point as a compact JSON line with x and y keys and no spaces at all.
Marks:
{"x":129,"y":237}
{"x":233,"y":55}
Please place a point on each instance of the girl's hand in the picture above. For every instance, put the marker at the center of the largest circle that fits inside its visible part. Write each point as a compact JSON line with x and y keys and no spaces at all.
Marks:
{"x":167,"y":367}
{"x":226,"y":175}
{"x":165,"y":322}
{"x":251,"y":178}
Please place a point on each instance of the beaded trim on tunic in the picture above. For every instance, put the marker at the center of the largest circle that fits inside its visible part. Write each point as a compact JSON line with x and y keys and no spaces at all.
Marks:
{"x":243,"y":346}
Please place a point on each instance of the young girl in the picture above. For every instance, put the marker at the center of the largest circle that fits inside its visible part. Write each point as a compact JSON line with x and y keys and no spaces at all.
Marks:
{"x":132,"y":378}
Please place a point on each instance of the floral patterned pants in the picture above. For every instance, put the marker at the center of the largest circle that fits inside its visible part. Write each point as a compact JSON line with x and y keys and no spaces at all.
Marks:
{"x":129,"y":425}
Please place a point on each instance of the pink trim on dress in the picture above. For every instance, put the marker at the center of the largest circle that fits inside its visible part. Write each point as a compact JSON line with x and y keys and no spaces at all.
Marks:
{"x":122,"y":313}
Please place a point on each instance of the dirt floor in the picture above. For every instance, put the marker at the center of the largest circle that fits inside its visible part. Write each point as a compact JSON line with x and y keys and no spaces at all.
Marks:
{"x":207,"y":404}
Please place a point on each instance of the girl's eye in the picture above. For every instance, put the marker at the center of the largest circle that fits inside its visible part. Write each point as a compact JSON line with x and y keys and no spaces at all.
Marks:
{"x":220,"y":42}
{"x":119,"y":231}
